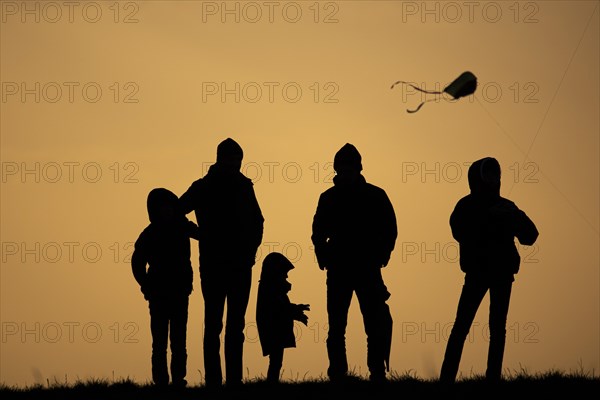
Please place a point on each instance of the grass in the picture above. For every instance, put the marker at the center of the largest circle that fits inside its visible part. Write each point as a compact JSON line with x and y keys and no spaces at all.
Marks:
{"x":521,"y":383}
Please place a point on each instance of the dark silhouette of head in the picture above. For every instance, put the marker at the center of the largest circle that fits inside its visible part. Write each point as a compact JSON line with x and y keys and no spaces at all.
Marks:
{"x":162,"y":206}
{"x":347,"y":160}
{"x":275,"y":265}
{"x":230,"y":155}
{"x":484,"y":177}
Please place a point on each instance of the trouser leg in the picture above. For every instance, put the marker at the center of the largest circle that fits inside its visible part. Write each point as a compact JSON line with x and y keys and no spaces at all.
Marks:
{"x":159,"y":327}
{"x":275,"y":364}
{"x":372,"y":295}
{"x":499,"y":302}
{"x":339,"y":296}
{"x":179,"y":318}
{"x":470,"y":299}
{"x":238,"y":295}
{"x":214,"y":304}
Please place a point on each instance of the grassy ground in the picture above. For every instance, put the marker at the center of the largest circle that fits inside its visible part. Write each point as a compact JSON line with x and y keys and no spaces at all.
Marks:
{"x":548,"y":385}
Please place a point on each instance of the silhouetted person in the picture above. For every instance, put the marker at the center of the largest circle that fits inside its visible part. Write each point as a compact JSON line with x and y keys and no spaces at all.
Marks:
{"x":231,"y":228}
{"x":275,"y":313}
{"x":485,"y":226}
{"x":164,"y":246}
{"x":354,"y":232}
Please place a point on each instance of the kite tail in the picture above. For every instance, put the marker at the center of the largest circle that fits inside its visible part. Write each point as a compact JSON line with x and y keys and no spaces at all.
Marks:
{"x":419,"y":106}
{"x":416,"y":109}
{"x":415,"y":87}
{"x":419,"y":89}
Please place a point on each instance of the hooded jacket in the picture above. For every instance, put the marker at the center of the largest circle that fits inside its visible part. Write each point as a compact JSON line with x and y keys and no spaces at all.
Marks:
{"x":164,"y":245}
{"x":229,"y":218}
{"x":275,"y":313}
{"x":485,"y":225}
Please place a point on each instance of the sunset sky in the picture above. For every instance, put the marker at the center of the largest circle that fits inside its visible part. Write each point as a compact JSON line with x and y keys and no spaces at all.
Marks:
{"x":103,"y":101}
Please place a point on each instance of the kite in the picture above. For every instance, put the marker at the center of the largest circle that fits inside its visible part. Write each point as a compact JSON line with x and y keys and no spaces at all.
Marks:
{"x":462,"y":86}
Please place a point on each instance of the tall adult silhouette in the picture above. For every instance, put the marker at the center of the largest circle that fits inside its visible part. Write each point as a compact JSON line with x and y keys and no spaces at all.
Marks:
{"x":485,"y":226}
{"x":230,"y":222}
{"x":354,"y":233}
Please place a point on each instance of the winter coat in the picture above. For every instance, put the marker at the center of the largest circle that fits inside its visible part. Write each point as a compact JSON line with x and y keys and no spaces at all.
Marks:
{"x":275,"y":315}
{"x":229,"y":218}
{"x":164,"y":247}
{"x":354,"y":224}
{"x":485,"y":225}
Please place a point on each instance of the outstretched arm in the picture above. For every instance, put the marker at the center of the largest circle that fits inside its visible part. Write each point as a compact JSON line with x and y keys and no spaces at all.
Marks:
{"x":188,"y":199}
{"x":298,"y":312}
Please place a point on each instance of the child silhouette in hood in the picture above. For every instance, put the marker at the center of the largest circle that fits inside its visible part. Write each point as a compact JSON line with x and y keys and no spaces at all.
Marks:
{"x":275,"y":313}
{"x":164,"y":248}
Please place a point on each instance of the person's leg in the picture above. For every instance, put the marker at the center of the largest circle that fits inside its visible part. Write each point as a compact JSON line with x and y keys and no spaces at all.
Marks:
{"x":214,"y":304}
{"x":372,"y":295}
{"x":499,"y":302}
{"x":159,"y":327}
{"x":275,"y":364}
{"x":179,"y":318}
{"x":339,"y":296}
{"x":470,"y":299}
{"x":238,"y":295}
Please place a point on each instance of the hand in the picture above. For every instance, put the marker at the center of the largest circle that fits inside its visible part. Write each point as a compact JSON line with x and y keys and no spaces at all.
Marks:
{"x":303,"y":307}
{"x":299,"y":313}
{"x":323,"y":256}
{"x":192,"y":230}
{"x":303,"y":318}
{"x":385,"y":259}
{"x":145,"y":291}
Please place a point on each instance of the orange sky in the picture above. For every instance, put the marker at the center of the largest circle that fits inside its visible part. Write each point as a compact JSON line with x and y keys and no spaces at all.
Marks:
{"x":103,"y":102}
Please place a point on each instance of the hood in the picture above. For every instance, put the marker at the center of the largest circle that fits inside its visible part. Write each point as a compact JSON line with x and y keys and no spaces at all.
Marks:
{"x":275,"y":265}
{"x":484,"y":177}
{"x":158,"y":200}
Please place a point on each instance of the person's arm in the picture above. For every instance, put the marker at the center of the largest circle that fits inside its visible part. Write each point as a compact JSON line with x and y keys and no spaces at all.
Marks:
{"x":138,"y":264}
{"x":298,"y":312}
{"x":390,"y":229}
{"x":257,"y":220}
{"x":465,"y":228}
{"x":524,"y":228}
{"x":514,"y":222}
{"x":527,"y":232}
{"x":187,"y":201}
{"x":192,"y":229}
{"x":319,"y":234}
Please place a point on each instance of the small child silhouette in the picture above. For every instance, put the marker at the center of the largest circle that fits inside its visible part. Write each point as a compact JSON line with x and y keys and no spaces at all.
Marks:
{"x":275,"y":314}
{"x":164,"y":246}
